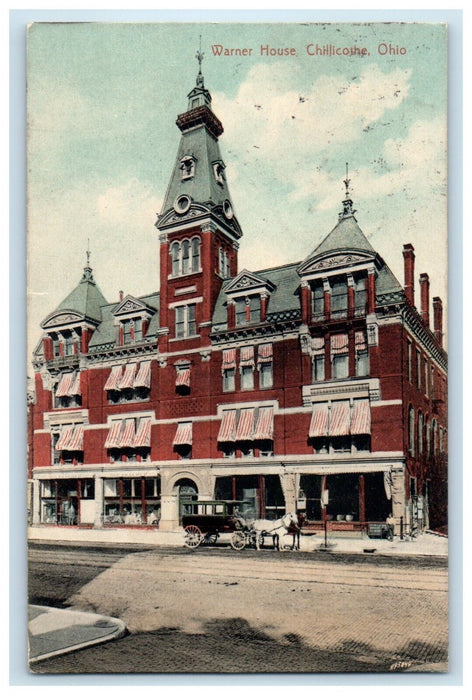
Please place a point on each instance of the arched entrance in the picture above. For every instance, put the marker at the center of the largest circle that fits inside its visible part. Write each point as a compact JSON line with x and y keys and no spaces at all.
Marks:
{"x":187,"y":492}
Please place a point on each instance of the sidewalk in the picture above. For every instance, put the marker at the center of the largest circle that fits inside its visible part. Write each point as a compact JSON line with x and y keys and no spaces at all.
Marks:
{"x":52,"y":631}
{"x":426,"y":544}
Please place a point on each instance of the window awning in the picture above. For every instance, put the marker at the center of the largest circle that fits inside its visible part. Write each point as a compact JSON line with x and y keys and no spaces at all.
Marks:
{"x":143,"y":378}
{"x":360,"y":341}
{"x":245,"y":427}
{"x":183,"y":435}
{"x":65,"y":438}
{"x":143,"y":434}
{"x":128,"y":435}
{"x":113,"y":437}
{"x":113,"y":381}
{"x":265,"y":352}
{"x":75,"y":388}
{"x":339,"y":344}
{"x":317,"y":346}
{"x":76,"y":442}
{"x":227,"y":427}
{"x":127,"y":381}
{"x":265,"y":424}
{"x":183,"y":377}
{"x":319,"y":421}
{"x":340,"y":422}
{"x":229,"y":358}
{"x":65,"y":385}
{"x":247,"y":357}
{"x":360,"y":424}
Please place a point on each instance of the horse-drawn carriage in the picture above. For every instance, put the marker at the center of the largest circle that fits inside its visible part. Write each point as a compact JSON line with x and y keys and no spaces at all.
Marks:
{"x":205,"y":521}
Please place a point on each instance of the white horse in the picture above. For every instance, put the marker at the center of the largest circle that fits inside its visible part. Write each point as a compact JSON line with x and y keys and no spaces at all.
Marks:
{"x":274,"y":528}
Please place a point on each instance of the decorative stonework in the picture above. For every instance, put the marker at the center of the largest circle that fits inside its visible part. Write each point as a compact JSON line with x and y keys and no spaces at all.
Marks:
{"x":162,"y":360}
{"x":372,"y":330}
{"x":60,"y":319}
{"x":305,"y":343}
{"x":205,"y":355}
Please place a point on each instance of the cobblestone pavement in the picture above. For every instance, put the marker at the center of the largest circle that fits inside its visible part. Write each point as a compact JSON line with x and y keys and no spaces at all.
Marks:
{"x":277,"y":614}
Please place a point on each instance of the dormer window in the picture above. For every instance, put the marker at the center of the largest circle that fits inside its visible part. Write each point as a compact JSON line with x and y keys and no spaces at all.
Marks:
{"x":218,"y":169}
{"x":131,"y":331}
{"x":339,"y":298}
{"x":248,"y":310}
{"x":187,"y":167}
{"x":223,"y":264}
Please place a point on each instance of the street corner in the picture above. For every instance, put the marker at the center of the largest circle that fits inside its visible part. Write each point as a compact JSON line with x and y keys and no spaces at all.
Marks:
{"x":53,"y":631}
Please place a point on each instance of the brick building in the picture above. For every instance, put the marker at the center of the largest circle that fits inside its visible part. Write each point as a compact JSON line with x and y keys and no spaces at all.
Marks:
{"x":271,"y":386}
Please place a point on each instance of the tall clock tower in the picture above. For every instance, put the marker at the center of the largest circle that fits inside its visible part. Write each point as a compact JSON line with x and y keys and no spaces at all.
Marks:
{"x":198,"y":229}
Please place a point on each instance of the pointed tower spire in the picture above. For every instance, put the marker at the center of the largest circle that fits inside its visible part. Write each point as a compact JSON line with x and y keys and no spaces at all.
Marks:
{"x":347,"y":201}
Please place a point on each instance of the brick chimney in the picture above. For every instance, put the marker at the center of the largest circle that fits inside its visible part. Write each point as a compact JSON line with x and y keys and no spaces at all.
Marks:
{"x":409,"y":267}
{"x":121,"y":295}
{"x":438,"y":320}
{"x":424,"y":286}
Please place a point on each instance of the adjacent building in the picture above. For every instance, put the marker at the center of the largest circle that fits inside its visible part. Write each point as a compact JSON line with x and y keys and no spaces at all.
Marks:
{"x":315,"y":386}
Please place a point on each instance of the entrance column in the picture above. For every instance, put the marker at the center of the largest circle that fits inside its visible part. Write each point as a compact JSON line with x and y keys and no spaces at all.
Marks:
{"x":288,"y":483}
{"x":169,"y":512}
{"x":36,"y":502}
{"x":399,"y":507}
{"x":98,"y":515}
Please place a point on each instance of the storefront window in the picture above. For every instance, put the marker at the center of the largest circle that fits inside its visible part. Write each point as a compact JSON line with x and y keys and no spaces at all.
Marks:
{"x":132,"y":501}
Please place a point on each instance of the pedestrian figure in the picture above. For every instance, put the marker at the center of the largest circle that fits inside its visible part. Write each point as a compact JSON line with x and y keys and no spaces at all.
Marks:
{"x":390,"y":526}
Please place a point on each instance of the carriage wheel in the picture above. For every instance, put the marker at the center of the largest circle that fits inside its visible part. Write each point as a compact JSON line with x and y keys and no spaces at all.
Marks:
{"x":210,"y":538}
{"x":193,"y":536}
{"x":238,"y":540}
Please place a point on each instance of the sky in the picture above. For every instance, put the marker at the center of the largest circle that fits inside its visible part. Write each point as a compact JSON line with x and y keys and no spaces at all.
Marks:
{"x":102,"y":102}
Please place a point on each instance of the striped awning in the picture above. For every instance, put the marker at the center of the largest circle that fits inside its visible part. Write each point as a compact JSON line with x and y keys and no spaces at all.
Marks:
{"x":128,"y":434}
{"x":183,"y":377}
{"x":339,"y":344}
{"x":65,"y":438}
{"x":360,"y":341}
{"x":183,"y":435}
{"x":114,"y":378}
{"x":127,"y":380}
{"x":319,"y":421}
{"x":227,"y":427}
{"x":340,"y":419}
{"x":65,"y":385}
{"x":143,"y":377}
{"x":113,"y":437}
{"x":265,"y":352}
{"x":229,"y":358}
{"x":246,"y":358}
{"x":265,"y":424}
{"x":360,"y":424}
{"x":317,"y":346}
{"x":245,"y":427}
{"x":75,"y":388}
{"x":143,"y":434}
{"x":76,"y":442}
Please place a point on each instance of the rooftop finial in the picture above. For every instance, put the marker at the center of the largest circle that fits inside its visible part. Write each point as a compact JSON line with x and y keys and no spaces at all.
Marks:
{"x":87,"y":269}
{"x":347,"y":180}
{"x":199,"y":56}
{"x":347,"y":202}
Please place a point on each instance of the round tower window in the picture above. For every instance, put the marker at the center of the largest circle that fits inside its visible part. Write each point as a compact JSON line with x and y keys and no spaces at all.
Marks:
{"x":228,"y":209}
{"x":182,"y":204}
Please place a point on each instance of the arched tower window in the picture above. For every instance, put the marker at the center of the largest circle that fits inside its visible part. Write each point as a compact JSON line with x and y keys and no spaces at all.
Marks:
{"x":175,"y":254}
{"x":195,"y":254}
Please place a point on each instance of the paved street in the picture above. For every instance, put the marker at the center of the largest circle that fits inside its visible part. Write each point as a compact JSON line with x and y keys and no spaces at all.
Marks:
{"x":216,"y":610}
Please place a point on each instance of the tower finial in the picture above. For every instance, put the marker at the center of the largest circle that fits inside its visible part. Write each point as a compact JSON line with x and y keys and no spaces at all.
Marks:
{"x":199,"y":56}
{"x":87,"y":276}
{"x":347,"y":201}
{"x":347,"y":180}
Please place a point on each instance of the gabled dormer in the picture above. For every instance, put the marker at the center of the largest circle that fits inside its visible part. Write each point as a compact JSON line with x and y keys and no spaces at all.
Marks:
{"x":247,"y":298}
{"x":131,"y":319}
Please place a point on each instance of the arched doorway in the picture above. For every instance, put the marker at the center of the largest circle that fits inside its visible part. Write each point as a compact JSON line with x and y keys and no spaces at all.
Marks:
{"x":187,"y":492}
